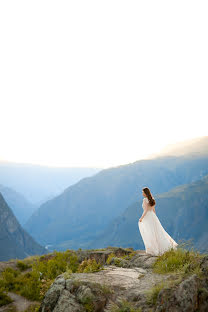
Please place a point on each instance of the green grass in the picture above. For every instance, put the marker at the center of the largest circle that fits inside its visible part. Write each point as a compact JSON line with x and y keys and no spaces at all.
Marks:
{"x":152,"y":293}
{"x":180,"y":260}
{"x":33,"y":308}
{"x":124,"y":306}
{"x":87,"y":302}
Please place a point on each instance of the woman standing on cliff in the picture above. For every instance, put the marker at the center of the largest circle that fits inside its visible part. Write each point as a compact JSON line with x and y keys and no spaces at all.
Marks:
{"x":155,"y":238}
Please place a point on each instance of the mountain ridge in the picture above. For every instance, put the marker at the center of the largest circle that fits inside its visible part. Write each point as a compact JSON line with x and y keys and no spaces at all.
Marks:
{"x":14,"y":240}
{"x":20,"y":206}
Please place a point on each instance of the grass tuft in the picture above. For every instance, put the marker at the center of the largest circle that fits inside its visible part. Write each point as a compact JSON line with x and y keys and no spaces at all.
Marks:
{"x":180,"y":260}
{"x":124,"y":306}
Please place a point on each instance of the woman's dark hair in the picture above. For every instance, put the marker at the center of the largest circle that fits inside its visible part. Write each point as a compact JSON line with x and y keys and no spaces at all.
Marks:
{"x":151,"y":199}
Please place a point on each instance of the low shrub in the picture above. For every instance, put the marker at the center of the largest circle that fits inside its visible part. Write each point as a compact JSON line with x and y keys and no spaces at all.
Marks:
{"x":8,"y":278}
{"x":4,"y":298}
{"x":89,"y":266}
{"x":22,"y":265}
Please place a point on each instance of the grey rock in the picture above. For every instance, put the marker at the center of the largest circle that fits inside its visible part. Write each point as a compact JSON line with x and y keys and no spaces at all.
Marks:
{"x":15,"y":242}
{"x":204,"y":265}
{"x":60,"y":280}
{"x":51,"y":297}
{"x":142,"y":261}
{"x":203,"y":298}
{"x":183,"y":299}
{"x":186,"y":294}
{"x":67,"y":303}
{"x":84,"y":292}
{"x":124,"y":263}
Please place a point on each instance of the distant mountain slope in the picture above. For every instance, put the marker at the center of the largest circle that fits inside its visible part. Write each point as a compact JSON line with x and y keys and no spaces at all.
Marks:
{"x":14,"y":241}
{"x":183,"y":212}
{"x":20,"y":206}
{"x":85,"y":209}
{"x":38,"y":183}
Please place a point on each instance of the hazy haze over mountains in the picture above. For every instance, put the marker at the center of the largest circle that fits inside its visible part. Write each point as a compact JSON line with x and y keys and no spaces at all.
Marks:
{"x":194,"y":146}
{"x":40,"y":183}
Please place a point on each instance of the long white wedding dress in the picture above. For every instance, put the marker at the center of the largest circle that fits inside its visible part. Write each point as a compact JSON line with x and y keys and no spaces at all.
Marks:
{"x":155,"y":238}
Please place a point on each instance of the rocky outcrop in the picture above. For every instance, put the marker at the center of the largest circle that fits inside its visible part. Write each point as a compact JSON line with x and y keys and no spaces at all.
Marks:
{"x":100,"y":290}
{"x":189,"y":296}
{"x":127,"y":280}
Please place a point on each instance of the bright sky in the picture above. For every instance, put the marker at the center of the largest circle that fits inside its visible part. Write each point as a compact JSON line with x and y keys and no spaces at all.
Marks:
{"x":100,"y":83}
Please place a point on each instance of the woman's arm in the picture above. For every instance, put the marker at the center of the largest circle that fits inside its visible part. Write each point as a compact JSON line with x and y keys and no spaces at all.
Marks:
{"x":144,"y":213}
{"x":145,"y":210}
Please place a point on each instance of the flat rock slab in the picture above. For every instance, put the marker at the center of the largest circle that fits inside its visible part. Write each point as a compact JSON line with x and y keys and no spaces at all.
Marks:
{"x":138,"y":280}
{"x":113,"y":276}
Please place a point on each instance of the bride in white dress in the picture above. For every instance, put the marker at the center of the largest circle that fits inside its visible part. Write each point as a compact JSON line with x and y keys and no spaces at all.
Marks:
{"x":155,"y":238}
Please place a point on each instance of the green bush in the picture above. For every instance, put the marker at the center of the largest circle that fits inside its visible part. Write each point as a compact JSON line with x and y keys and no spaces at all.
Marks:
{"x":28,"y":285}
{"x":60,"y":263}
{"x":4,"y":298}
{"x":89,"y":266}
{"x":22,"y":265}
{"x":8,"y":278}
